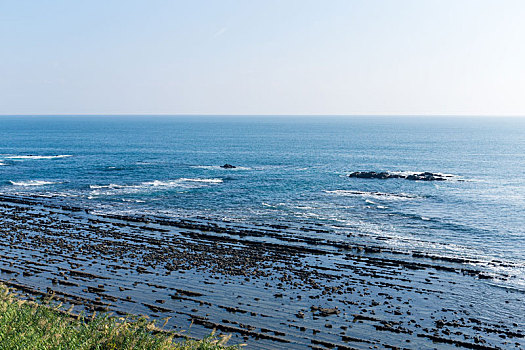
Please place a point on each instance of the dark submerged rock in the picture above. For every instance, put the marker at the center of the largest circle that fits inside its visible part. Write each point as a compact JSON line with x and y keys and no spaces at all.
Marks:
{"x":369,"y":175}
{"x":228,"y":166}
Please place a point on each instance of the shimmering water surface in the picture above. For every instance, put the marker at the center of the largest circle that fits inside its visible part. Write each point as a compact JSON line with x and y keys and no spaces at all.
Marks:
{"x":291,"y":170}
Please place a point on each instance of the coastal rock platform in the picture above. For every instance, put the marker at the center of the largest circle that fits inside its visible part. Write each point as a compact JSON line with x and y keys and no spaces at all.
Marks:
{"x":265,"y":284}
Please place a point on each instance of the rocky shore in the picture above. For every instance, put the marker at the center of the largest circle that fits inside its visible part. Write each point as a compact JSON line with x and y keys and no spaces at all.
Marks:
{"x":267,"y":286}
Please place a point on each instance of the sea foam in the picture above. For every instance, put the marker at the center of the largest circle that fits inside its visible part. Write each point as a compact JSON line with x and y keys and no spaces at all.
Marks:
{"x":153,"y":185}
{"x":366,"y":194}
{"x":32,"y":183}
{"x":96,"y":187}
{"x":39,"y":157}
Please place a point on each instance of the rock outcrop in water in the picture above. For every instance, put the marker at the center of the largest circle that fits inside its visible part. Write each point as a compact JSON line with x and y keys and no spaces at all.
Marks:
{"x":228,"y":166}
{"x":426,"y":176}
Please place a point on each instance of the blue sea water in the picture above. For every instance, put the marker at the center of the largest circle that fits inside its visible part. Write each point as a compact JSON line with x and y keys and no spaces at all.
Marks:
{"x":291,"y":170}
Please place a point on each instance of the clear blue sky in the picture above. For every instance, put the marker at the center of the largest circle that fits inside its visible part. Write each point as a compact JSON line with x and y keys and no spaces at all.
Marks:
{"x":262,"y":57}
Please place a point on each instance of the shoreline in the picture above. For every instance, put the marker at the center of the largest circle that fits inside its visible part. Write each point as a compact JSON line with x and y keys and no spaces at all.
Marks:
{"x":265,"y":285}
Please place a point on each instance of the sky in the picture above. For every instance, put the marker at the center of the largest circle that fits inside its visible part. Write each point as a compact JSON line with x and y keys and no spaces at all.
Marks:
{"x":344,"y":57}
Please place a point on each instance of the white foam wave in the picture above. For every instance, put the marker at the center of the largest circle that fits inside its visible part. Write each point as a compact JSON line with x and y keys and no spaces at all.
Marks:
{"x":133,"y":200}
{"x":264,"y":204}
{"x":214,"y":181}
{"x":149,"y":185}
{"x":32,"y":183}
{"x":39,"y":157}
{"x":96,"y":187}
{"x":181,"y":181}
{"x":378,"y":195}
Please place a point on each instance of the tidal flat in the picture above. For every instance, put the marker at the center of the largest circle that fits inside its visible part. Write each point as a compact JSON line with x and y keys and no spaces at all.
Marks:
{"x":264,"y":284}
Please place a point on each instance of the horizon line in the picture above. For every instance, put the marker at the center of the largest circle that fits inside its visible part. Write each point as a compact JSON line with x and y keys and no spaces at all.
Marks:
{"x":258,"y":115}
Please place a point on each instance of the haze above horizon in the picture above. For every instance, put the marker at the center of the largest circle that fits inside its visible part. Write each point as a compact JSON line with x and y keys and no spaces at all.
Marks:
{"x":297,"y":57}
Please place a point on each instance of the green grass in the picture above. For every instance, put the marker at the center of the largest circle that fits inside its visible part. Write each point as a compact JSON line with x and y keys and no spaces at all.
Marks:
{"x":30,"y":325}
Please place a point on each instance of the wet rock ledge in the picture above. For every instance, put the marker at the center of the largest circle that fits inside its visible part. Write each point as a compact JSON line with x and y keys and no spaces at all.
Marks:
{"x":265,"y":284}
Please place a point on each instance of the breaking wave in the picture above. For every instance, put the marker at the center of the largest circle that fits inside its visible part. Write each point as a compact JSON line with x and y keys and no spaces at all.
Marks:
{"x":379,"y":195}
{"x":152,"y":185}
{"x":39,"y":157}
{"x":32,"y":183}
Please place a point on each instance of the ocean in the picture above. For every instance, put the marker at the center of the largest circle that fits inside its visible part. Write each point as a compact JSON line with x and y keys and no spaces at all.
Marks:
{"x":292,"y":171}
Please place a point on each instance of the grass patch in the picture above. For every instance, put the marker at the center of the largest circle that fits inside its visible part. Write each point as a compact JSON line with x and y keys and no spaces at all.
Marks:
{"x":30,"y":325}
